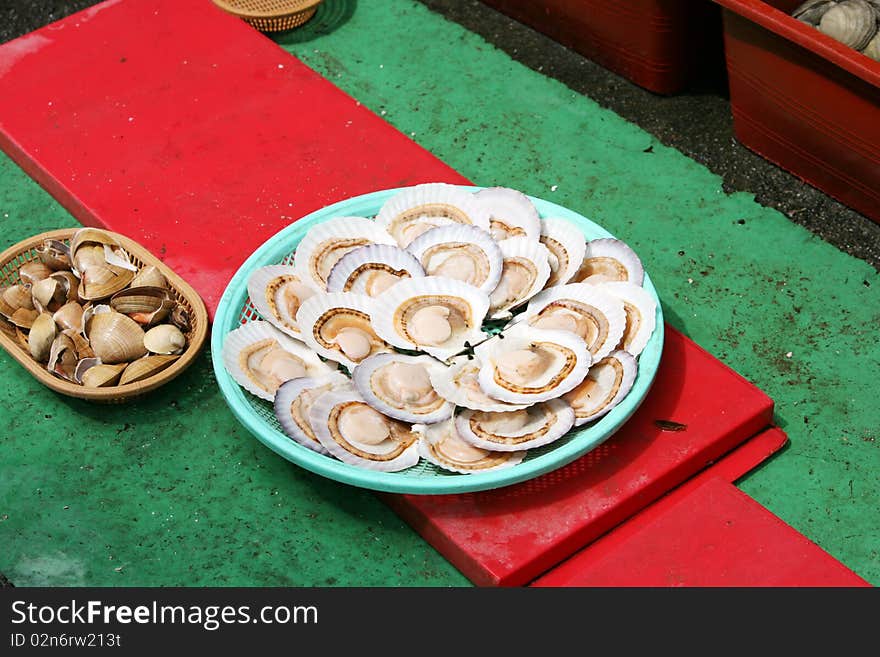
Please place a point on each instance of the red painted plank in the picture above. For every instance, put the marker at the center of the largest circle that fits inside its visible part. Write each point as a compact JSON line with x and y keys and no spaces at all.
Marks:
{"x":511,"y":535}
{"x":706,"y":533}
{"x":183,"y":128}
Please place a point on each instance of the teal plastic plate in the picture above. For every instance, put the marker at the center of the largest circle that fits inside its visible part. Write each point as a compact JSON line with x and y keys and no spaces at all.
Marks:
{"x":258,"y":416}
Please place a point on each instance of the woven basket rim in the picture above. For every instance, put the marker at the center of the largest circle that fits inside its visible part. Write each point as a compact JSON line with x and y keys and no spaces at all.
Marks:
{"x":197,"y":335}
{"x":296,"y":7}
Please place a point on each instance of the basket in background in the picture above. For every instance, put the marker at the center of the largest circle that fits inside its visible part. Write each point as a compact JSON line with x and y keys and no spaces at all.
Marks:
{"x":271,"y":15}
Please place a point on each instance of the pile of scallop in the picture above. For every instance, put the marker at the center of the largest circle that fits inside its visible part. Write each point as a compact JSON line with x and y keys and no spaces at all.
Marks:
{"x":471,"y":330}
{"x":92,"y":316}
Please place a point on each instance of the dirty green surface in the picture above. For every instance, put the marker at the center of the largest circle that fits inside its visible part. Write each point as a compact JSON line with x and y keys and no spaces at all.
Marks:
{"x":172,"y":491}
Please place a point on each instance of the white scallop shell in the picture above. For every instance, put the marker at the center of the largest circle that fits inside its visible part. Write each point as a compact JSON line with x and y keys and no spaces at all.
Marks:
{"x":559,"y":378}
{"x":316,"y":309}
{"x":592,"y":300}
{"x":253,"y":332}
{"x":399,"y":409}
{"x":432,"y":290}
{"x":346,"y":233}
{"x":607,"y":383}
{"x":351,"y":273}
{"x":641,"y":314}
{"x":289,"y":391}
{"x":382,"y":457}
{"x":599,"y":252}
{"x":259,"y":281}
{"x":518,"y":249}
{"x":434,"y":200}
{"x":566,"y":245}
{"x":554,"y":415}
{"x":458,"y":234}
{"x":511,"y":213}
{"x":435,"y":436}
{"x":459,"y":385}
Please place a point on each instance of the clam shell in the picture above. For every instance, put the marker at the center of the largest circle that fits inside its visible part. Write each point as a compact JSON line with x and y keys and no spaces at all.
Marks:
{"x":852,"y":22}
{"x":81,"y":346}
{"x":16,"y":297}
{"x":600,"y":317}
{"x":373,"y":269}
{"x":511,"y":213}
{"x":165,"y":339}
{"x":63,"y":357}
{"x":115,"y":338}
{"x":24,"y":317}
{"x":48,"y":295}
{"x":528,"y":365}
{"x":101,"y":281}
{"x":338,"y":326}
{"x":408,"y":307}
{"x":525,"y":271}
{"x":145,"y":305}
{"x":149,"y":276}
{"x":604,"y":387}
{"x":277,"y":293}
{"x":566,"y":245}
{"x":41,"y":337}
{"x":441,"y":445}
{"x":291,"y":409}
{"x":69,"y":316}
{"x":245,"y":345}
{"x":609,"y":259}
{"x":33,"y":272}
{"x":459,"y":384}
{"x":641,"y":314}
{"x":399,"y":386}
{"x":54,"y":254}
{"x":144,"y":368}
{"x":515,"y":431}
{"x":352,"y":440}
{"x":872,"y":50}
{"x":460,"y":252}
{"x":91,"y":373}
{"x":69,"y":283}
{"x":325,"y":243}
{"x":414,"y":210}
{"x":811,"y":11}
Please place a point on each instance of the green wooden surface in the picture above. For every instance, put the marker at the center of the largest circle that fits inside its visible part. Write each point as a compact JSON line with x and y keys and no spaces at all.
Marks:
{"x":171,"y":490}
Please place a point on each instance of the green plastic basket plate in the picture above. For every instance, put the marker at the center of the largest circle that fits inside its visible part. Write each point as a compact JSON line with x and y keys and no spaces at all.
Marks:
{"x":258,"y":416}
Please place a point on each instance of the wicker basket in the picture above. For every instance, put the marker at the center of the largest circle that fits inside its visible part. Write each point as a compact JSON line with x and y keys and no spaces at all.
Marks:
{"x":18,"y":254}
{"x":271,"y":15}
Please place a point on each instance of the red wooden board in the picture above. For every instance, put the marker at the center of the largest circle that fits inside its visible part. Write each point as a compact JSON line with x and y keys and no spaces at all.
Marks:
{"x":706,"y":533}
{"x":511,"y":535}
{"x":183,"y":128}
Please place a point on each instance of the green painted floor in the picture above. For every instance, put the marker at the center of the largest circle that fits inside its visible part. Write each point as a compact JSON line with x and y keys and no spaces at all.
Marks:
{"x":171,"y":491}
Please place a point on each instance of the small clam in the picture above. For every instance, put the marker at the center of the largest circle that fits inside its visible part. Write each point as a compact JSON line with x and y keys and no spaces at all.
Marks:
{"x":87,"y":257}
{"x":16,"y":297}
{"x":33,"y":271}
{"x":165,"y":339}
{"x":115,"y":337}
{"x":69,"y":283}
{"x":149,"y":276}
{"x":101,"y":281}
{"x":146,"y":367}
{"x":41,"y":336}
{"x":24,"y":317}
{"x":48,"y":295}
{"x":69,"y":316}
{"x":91,"y":373}
{"x":145,"y":305}
{"x":852,"y":22}
{"x":54,"y":254}
{"x":811,"y":11}
{"x":63,"y":357}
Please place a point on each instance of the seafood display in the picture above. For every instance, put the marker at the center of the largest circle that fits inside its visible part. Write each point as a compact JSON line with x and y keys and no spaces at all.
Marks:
{"x":90,"y":315}
{"x":456,"y":329}
{"x":855,"y":23}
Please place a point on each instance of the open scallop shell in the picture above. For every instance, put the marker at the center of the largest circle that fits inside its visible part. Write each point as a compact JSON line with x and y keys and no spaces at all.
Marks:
{"x":595,"y":316}
{"x":524,"y":273}
{"x":511,"y":213}
{"x":294,"y":400}
{"x":463,"y":253}
{"x":325,"y":244}
{"x":604,"y":387}
{"x":338,"y":326}
{"x":373,"y":269}
{"x":277,"y":292}
{"x":359,"y":435}
{"x":641,"y":314}
{"x":513,"y":431}
{"x":399,"y":386}
{"x":441,"y":445}
{"x":609,"y":259}
{"x":525,"y":365}
{"x":411,"y":212}
{"x":246,"y":347}
{"x":437,"y":315}
{"x":459,"y":384}
{"x":566,"y":245}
